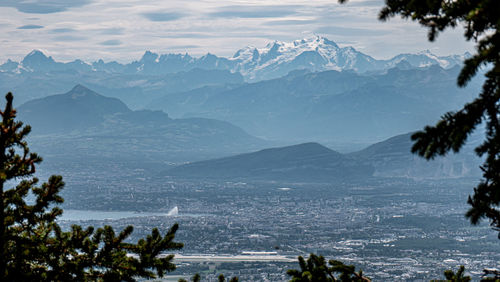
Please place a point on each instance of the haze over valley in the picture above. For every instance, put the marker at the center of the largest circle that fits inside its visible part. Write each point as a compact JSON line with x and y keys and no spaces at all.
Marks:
{"x":286,"y":149}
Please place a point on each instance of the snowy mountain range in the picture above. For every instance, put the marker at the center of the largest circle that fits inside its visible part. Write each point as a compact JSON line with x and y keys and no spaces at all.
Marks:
{"x":274,"y":60}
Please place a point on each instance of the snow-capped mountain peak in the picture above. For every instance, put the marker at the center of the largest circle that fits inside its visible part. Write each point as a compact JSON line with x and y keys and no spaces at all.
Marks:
{"x":36,"y":56}
{"x":278,"y":58}
{"x":318,"y":53}
{"x":273,"y":60}
{"x":150,"y":57}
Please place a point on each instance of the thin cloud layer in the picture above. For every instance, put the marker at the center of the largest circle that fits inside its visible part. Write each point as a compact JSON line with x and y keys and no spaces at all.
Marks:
{"x":43,"y":6}
{"x":62,"y":30}
{"x":162,"y":17}
{"x":251,"y":11}
{"x":347,"y":31}
{"x":123,"y":29}
{"x":69,"y":38}
{"x":112,"y":42}
{"x":30,"y":26}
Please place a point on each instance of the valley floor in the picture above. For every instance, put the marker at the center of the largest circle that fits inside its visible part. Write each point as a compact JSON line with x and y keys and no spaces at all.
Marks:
{"x":393,"y":229}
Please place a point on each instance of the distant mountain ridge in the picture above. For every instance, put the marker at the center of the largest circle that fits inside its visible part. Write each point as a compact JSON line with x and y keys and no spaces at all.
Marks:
{"x":312,"y":162}
{"x":272,"y":61}
{"x":336,"y":105}
{"x":78,"y":109}
{"x":302,"y":162}
{"x":85,"y":123}
{"x":330,"y":105}
{"x":320,"y":54}
{"x":135,"y":89}
{"x":393,"y":158}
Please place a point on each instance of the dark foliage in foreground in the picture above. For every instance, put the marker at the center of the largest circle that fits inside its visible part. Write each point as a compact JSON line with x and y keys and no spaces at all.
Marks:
{"x":482,"y":21}
{"x":316,"y":269}
{"x":32,"y":245}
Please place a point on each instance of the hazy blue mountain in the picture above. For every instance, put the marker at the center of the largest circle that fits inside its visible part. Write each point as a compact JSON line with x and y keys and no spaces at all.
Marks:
{"x":79,"y":109}
{"x":330,"y":106}
{"x":152,"y":63}
{"x":306,"y":104}
{"x":303,"y":162}
{"x":326,"y":106}
{"x":279,"y":58}
{"x":272,"y":61}
{"x":393,"y":158}
{"x":140,"y":82}
{"x":36,"y":61}
{"x":426,"y":59}
{"x":185,"y":103}
{"x":89,"y":124}
{"x":39,"y":76}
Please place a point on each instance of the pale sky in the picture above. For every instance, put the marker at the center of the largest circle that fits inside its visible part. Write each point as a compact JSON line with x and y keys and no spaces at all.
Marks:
{"x":123,"y":30}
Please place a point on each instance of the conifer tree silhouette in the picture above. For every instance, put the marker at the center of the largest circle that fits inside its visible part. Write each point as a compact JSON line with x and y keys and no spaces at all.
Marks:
{"x":481,"y":19}
{"x":32,"y":245}
{"x":315,"y":269}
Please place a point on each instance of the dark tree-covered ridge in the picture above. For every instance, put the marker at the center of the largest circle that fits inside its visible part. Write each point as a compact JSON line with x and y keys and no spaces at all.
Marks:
{"x":32,"y":245}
